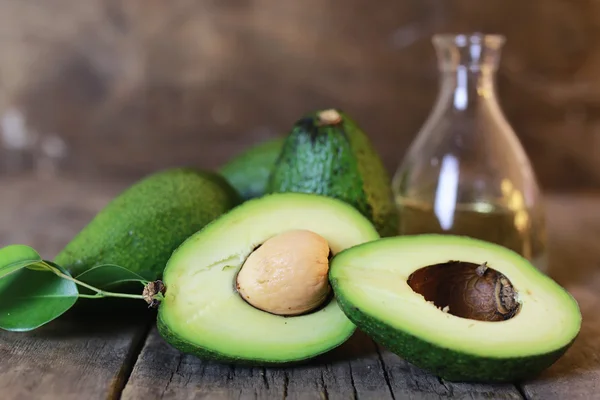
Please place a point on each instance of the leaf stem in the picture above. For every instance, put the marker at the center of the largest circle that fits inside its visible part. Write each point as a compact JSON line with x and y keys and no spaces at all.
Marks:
{"x":88,"y":296}
{"x":102,"y":294}
{"x":99,"y":293}
{"x":67,"y":277}
{"x":123,"y":295}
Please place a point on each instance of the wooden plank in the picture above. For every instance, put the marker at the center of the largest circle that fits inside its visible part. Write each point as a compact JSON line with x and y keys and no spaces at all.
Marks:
{"x":163,"y":373}
{"x":85,"y":354}
{"x":575,"y":264}
{"x":410,"y":382}
{"x":72,"y":358}
{"x":360,"y":369}
{"x":357,"y":369}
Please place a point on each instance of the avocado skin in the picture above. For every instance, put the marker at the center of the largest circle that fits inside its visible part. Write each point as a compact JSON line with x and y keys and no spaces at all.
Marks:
{"x":249,"y":171}
{"x":140,"y":228}
{"x":447,"y":364}
{"x":210,"y":355}
{"x":337,"y":161}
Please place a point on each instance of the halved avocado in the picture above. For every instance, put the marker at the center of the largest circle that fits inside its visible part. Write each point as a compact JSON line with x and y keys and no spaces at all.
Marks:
{"x":461,"y":308}
{"x":203,"y":312}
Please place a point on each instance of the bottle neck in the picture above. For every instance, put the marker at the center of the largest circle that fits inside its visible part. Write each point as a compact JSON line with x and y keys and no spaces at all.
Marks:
{"x":463,"y":88}
{"x":467,"y":65}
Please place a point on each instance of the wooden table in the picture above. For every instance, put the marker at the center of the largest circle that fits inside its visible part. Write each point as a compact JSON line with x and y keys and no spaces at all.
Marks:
{"x":99,"y":354}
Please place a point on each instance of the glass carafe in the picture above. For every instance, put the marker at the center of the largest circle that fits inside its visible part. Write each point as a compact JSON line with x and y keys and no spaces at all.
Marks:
{"x":466,"y":172}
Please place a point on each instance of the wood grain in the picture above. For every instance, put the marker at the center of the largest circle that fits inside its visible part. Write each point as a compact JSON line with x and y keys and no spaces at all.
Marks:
{"x":409,"y":382}
{"x":88,"y":352}
{"x":78,"y":356}
{"x":357,"y":369}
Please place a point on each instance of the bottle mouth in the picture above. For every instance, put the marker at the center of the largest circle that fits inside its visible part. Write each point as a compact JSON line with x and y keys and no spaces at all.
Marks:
{"x":469,"y":39}
{"x":475,"y":51}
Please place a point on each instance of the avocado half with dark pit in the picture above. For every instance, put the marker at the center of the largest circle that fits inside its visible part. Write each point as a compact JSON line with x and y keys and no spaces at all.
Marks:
{"x":463,"y":309}
{"x":252,"y":286}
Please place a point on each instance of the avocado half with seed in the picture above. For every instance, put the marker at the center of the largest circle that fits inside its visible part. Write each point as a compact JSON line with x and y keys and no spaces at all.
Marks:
{"x":461,"y":308}
{"x":252,"y":286}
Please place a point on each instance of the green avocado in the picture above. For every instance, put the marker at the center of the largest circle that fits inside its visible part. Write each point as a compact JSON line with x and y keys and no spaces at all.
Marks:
{"x":203,"y":311}
{"x":140,"y":228}
{"x":460,"y":308}
{"x":249,"y":171}
{"x":327,"y":153}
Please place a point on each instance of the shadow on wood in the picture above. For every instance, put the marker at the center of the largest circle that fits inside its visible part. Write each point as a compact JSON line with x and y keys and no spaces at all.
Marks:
{"x":357,"y":346}
{"x":96,"y":322}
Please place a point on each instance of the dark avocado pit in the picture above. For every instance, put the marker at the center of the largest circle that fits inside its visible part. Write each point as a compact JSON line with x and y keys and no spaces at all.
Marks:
{"x":467,"y":290}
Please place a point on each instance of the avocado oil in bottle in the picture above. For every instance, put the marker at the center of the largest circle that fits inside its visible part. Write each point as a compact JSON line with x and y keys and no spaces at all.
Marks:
{"x":466,"y":173}
{"x":521,"y":231}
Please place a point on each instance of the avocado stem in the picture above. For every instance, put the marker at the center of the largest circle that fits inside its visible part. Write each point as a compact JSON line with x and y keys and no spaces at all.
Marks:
{"x":329,"y":117}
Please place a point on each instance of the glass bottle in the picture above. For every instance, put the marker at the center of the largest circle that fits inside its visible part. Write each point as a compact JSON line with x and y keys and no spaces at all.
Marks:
{"x":466,"y":172}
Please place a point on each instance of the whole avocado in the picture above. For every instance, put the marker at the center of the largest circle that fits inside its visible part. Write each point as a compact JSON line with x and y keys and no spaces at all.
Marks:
{"x":140,"y":228}
{"x":327,"y":153}
{"x":249,"y":171}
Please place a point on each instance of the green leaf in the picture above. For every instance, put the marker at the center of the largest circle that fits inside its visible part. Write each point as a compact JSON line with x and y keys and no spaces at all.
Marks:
{"x":107,"y":275}
{"x":16,"y":257}
{"x":31,"y":298}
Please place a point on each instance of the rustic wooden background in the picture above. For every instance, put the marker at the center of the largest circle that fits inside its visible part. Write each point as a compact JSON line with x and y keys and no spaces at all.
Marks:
{"x":132,"y":86}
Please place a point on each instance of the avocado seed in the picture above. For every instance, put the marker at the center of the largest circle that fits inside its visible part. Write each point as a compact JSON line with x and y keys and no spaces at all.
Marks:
{"x":287,"y":274}
{"x":467,"y":290}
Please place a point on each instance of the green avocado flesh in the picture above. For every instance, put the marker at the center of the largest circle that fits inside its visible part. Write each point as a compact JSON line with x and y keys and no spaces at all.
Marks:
{"x":140,"y":228}
{"x":203,"y":314}
{"x":249,"y":171}
{"x":335,"y":158}
{"x":370,"y":282}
